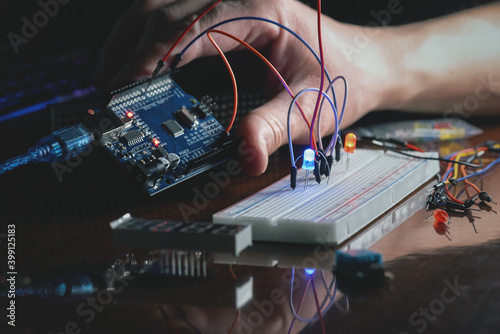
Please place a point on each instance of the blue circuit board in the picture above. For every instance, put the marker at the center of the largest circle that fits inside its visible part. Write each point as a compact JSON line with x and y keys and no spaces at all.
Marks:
{"x":161,"y":134}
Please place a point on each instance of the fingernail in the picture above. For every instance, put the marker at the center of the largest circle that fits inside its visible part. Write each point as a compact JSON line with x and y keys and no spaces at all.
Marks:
{"x":253,"y":155}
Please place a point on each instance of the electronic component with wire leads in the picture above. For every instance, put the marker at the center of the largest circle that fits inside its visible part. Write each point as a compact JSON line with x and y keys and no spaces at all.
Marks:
{"x":308,"y":163}
{"x":441,"y":222}
{"x":349,"y":147}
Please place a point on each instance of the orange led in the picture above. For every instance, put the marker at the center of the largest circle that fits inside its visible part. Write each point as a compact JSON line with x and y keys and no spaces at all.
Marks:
{"x":156,"y":142}
{"x":130,"y":114}
{"x":350,"y":143}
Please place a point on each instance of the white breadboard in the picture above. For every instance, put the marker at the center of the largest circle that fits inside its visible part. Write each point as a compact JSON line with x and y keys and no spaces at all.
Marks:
{"x":331,"y":213}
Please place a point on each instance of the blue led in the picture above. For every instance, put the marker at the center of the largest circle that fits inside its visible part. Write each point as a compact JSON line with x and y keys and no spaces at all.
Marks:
{"x":310,"y":271}
{"x":308,"y":163}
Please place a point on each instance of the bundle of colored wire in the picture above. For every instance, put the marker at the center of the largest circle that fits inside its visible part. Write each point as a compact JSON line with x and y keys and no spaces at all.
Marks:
{"x":454,"y":161}
{"x":453,"y":168}
{"x":290,"y":113}
{"x":331,"y":145}
{"x":254,"y":18}
{"x":164,"y":59}
{"x":490,"y":165}
{"x":468,"y":183}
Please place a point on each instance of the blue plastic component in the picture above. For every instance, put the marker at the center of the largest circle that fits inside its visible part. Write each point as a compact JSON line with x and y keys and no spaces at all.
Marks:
{"x":64,"y":144}
{"x":61,"y":145}
{"x":308,"y":163}
{"x":357,"y":260}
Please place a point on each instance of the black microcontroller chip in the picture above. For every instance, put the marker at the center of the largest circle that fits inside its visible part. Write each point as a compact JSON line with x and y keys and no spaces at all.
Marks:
{"x":132,"y":138}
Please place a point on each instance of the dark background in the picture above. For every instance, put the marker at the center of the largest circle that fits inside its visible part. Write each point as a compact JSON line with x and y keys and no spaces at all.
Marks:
{"x":88,"y":22}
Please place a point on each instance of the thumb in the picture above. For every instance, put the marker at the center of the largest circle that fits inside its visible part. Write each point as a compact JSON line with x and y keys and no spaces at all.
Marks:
{"x":265,"y":129}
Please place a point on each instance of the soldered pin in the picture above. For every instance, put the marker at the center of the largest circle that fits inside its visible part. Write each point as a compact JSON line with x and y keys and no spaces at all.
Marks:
{"x":293,"y":177}
{"x":316,"y":172}
{"x":338,"y":146}
{"x":483,"y":196}
{"x":437,"y":186}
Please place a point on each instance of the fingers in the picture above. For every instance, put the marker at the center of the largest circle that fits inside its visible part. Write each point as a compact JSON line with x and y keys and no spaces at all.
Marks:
{"x":144,"y":18}
{"x":124,"y":37}
{"x":264,"y":130}
{"x":143,"y":60}
{"x":140,"y":39}
{"x":162,"y":28}
{"x":114,"y":54}
{"x":167,"y":16}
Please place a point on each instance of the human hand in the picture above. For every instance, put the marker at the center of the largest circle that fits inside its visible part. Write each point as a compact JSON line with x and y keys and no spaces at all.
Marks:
{"x":150,"y":27}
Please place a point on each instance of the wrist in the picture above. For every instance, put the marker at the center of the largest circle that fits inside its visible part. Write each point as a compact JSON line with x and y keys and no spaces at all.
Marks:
{"x":406,"y":79}
{"x":373,"y":63}
{"x":394,"y":81}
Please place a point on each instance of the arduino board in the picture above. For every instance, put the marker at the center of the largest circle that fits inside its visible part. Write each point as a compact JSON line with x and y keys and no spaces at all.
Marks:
{"x":159,"y":133}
